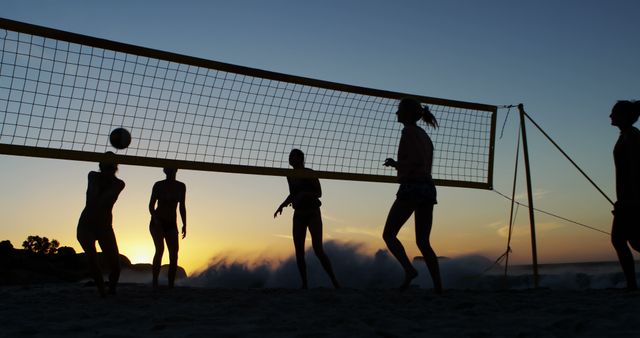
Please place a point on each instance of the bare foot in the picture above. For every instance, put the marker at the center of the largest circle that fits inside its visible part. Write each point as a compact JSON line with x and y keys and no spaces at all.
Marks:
{"x":408,"y":277}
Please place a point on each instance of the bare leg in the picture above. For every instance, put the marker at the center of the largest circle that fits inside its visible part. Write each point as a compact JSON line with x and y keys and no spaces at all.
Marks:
{"x":299,"y":234}
{"x":89,"y":247}
{"x":398,"y":215}
{"x":424,"y":221}
{"x":109,"y":248}
{"x":619,"y":241}
{"x":158,"y":242}
{"x":172,"y":246}
{"x":315,"y":229}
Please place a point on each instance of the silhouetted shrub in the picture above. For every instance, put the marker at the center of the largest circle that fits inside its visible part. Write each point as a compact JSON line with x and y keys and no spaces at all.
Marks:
{"x":40,"y":245}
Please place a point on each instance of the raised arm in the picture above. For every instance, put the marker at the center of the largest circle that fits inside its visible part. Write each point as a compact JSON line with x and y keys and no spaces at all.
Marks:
{"x":108,"y":195}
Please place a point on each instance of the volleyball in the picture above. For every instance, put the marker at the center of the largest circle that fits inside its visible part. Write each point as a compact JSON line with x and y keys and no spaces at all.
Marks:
{"x":120,"y":138}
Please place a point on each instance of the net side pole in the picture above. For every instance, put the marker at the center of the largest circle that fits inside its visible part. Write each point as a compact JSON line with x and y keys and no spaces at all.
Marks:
{"x":492,"y":146}
{"x":532,"y":221}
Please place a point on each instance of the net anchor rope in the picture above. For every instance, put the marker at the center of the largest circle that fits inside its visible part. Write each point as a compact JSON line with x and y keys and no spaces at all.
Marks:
{"x":505,"y":255}
{"x":511,"y":212}
{"x":568,"y":157}
{"x":570,"y":160}
{"x":552,"y":214}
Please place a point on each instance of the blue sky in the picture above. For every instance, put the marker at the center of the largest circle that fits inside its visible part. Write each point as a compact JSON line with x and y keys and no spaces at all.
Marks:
{"x":567,"y":61}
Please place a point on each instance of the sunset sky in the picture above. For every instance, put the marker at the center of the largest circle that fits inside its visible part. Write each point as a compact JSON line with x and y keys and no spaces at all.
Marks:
{"x":566,"y":61}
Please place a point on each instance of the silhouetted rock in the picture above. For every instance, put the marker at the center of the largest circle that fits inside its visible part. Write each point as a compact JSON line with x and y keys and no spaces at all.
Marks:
{"x":180,"y":273}
{"x":141,"y":267}
{"x":164,"y":269}
{"x":20,"y":267}
{"x":66,"y":251}
{"x":5,"y":247}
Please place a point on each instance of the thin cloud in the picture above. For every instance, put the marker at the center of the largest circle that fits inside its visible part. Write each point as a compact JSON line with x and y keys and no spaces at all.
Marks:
{"x":538,"y":194}
{"x":495,"y":224}
{"x":543,"y":227}
{"x":289,"y":237}
{"x":522,"y":229}
{"x":503,"y":231}
{"x":359,"y":231}
{"x":329,"y":217}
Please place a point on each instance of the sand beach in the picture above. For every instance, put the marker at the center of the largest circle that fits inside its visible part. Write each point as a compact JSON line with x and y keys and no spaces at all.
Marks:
{"x":57,"y":310}
{"x":231,"y":298}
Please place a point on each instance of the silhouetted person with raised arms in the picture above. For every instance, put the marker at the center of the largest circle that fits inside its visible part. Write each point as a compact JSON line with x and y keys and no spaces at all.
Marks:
{"x":95,"y":223}
{"x":417,"y":192}
{"x":166,"y":196}
{"x":304,"y":197}
{"x":626,"y":156}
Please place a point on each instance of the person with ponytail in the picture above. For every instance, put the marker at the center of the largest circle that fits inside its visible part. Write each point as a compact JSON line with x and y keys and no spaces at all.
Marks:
{"x":417,"y":192}
{"x":625,"y":230}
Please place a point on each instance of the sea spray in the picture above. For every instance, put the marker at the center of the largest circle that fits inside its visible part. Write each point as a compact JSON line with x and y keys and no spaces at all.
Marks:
{"x":355,"y":267}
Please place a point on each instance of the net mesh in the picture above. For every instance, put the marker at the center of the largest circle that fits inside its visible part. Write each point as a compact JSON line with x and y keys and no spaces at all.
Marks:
{"x":56,"y":93}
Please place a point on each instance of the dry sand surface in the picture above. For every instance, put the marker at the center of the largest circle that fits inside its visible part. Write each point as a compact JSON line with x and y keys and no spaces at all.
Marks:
{"x":138,"y":311}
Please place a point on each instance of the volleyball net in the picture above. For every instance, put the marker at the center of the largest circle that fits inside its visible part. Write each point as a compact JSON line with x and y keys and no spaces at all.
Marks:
{"x":61,"y":94}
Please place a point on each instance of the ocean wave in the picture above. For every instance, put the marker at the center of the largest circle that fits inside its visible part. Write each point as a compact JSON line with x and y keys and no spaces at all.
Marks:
{"x":357,"y":268}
